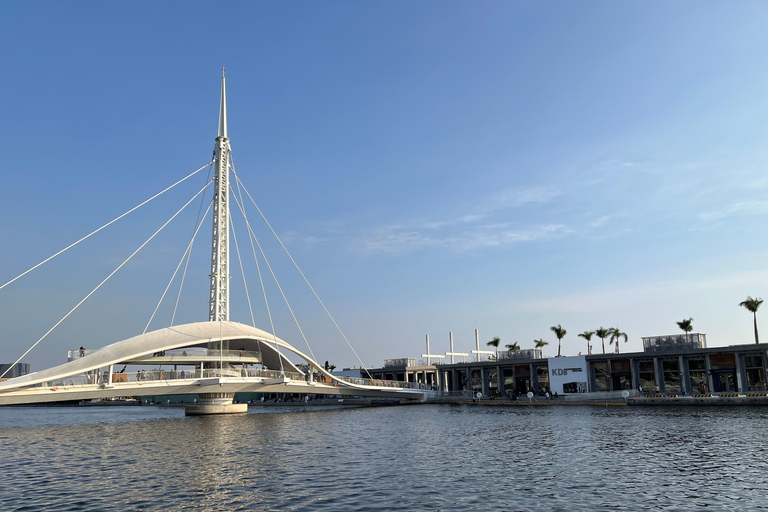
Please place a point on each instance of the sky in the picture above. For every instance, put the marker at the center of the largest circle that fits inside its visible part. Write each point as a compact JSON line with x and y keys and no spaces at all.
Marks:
{"x":432,"y":167}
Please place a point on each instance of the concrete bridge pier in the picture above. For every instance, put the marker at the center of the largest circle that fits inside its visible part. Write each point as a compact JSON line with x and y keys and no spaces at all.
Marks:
{"x":215,"y":403}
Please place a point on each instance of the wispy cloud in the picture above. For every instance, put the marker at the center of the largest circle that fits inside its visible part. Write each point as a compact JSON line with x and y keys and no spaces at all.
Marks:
{"x":397,"y":239}
{"x":465,"y":233}
{"x":742,"y":208}
{"x":502,"y":200}
{"x":516,"y":197}
{"x":601,"y":300}
{"x":294,"y":237}
{"x":600,"y":221}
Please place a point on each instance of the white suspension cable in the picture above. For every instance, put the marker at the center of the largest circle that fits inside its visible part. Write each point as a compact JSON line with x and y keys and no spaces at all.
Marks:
{"x":285,"y":299}
{"x":104,"y":226}
{"x":251,"y":237}
{"x":237,"y":178}
{"x":104,"y":281}
{"x":186,"y":252}
{"x":189,"y":254}
{"x":242,"y":272}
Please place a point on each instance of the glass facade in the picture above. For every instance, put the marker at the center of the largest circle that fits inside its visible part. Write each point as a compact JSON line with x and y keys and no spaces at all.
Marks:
{"x":647,"y":376}
{"x":697,"y":373}
{"x":621,"y":374}
{"x":493,"y":381}
{"x":509,"y":380}
{"x":724,"y":361}
{"x":671,"y":370}
{"x":461,"y":380}
{"x":723,"y":368}
{"x":522,"y":378}
{"x":755,"y":373}
{"x":542,"y":372}
{"x":477,"y":380}
{"x":602,"y":376}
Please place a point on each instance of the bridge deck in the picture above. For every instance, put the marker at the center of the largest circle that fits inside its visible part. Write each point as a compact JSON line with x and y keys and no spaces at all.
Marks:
{"x":68,"y":389}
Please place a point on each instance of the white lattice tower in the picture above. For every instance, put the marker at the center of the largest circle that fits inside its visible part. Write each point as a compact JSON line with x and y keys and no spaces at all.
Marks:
{"x":219,"y":299}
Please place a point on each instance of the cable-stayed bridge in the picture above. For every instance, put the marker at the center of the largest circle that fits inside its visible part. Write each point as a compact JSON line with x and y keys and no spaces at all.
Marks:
{"x":213,"y":359}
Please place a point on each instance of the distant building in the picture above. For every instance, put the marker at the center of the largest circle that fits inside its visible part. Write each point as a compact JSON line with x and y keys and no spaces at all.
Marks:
{"x":17,"y":370}
{"x":669,"y":364}
{"x":405,"y":370}
{"x":674,"y":342}
{"x":347,"y":372}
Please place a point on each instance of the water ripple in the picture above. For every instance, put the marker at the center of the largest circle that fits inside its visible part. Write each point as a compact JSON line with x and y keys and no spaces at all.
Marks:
{"x":425,"y":458}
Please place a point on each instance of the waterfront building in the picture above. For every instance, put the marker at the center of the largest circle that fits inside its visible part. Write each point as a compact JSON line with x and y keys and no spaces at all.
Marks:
{"x":16,"y":370}
{"x":405,"y":370}
{"x":517,"y":371}
{"x":670,"y":364}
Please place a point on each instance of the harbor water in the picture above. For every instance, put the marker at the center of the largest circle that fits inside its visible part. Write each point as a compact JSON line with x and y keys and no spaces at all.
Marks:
{"x":403,"y":458}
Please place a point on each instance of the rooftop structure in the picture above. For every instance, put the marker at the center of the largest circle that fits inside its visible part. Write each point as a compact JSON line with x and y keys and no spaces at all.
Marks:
{"x":404,"y":361}
{"x":674,"y":342}
{"x":526,"y":353}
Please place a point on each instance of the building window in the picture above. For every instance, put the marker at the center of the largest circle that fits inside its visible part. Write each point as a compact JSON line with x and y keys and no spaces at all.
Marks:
{"x":755,"y":373}
{"x":523,"y":379}
{"x":543,"y":375}
{"x":509,"y":380}
{"x":602,"y":376}
{"x":493,"y":381}
{"x":725,"y":361}
{"x":477,"y":381}
{"x":646,"y":375}
{"x":621,"y":375}
{"x":671,"y":369}
{"x":697,"y":372}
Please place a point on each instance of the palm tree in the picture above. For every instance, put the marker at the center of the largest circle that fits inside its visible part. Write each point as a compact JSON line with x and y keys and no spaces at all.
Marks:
{"x":560,"y":333}
{"x":616,"y":336}
{"x":495,"y":343}
{"x":687,"y":326}
{"x":587,"y":335}
{"x":513,"y":347}
{"x":752,"y":305}
{"x":603,"y":333}
{"x":540,"y":343}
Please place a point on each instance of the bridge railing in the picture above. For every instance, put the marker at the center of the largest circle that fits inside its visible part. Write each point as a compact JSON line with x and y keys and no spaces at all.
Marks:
{"x":385,"y":383}
{"x":199,"y":353}
{"x":182,"y":354}
{"x":158,"y":375}
{"x":161,"y":375}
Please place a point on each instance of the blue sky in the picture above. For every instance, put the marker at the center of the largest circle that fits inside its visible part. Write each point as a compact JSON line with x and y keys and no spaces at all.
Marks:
{"x":432,"y":166}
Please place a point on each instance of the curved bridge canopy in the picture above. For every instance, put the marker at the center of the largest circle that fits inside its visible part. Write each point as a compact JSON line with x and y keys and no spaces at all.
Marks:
{"x":285,"y":376}
{"x":169,"y":338}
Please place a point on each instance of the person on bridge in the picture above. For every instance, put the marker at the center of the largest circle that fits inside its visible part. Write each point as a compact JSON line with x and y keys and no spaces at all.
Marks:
{"x":82,"y":351}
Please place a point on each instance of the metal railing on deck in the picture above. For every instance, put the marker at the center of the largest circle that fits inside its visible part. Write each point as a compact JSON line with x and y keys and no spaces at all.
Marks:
{"x":181,"y":354}
{"x":149,"y":376}
{"x":385,"y":383}
{"x":160,"y":375}
{"x":194,"y":354}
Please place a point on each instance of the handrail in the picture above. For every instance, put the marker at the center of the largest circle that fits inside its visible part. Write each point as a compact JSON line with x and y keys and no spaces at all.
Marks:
{"x":192,"y":354}
{"x":160,"y":375}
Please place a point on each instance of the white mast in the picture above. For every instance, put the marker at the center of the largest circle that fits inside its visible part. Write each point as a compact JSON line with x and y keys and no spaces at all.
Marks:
{"x":219,"y":299}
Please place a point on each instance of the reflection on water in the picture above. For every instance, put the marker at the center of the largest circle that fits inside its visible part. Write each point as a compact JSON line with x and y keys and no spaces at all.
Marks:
{"x":410,"y":458}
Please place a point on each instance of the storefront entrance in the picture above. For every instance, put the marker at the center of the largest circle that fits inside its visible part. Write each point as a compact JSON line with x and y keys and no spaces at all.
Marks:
{"x":724,"y":380}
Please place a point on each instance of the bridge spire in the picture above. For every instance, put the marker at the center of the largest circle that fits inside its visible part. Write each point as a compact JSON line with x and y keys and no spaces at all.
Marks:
{"x":219,"y":298}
